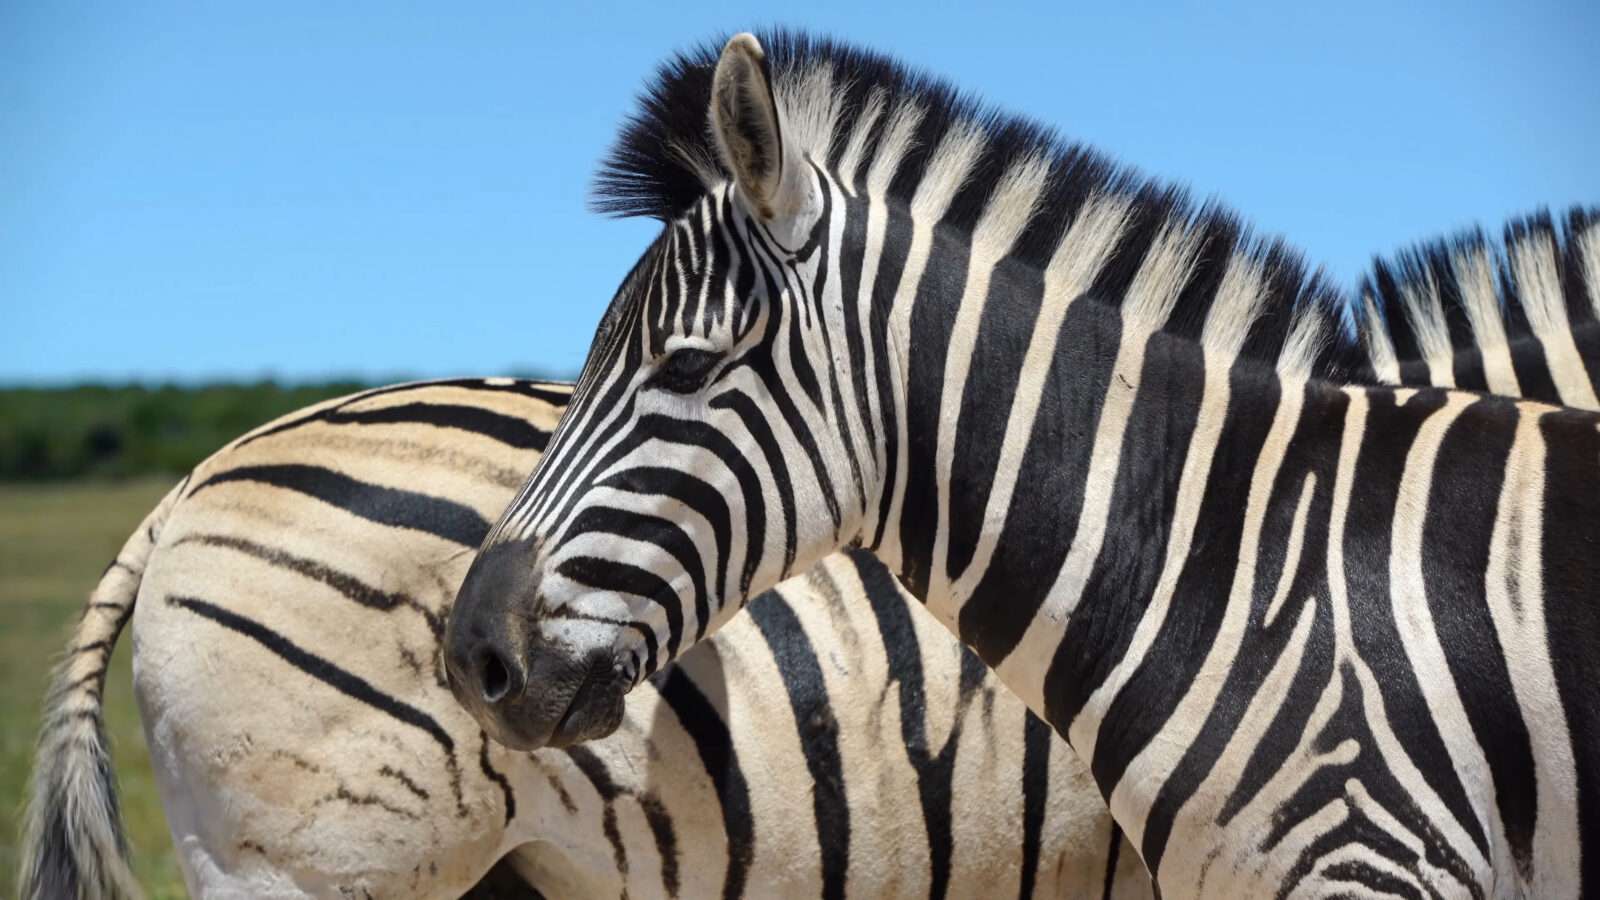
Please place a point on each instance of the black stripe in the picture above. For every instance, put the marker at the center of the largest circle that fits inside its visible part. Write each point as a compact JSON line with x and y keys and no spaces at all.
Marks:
{"x":781,"y":390}
{"x":841,"y":421}
{"x":405,"y":780}
{"x":1374,"y":880}
{"x":938,"y":300}
{"x":1386,"y":441}
{"x":1572,"y":619}
{"x":625,"y":578}
{"x":1043,"y":517}
{"x":1157,"y":684}
{"x":666,"y":534}
{"x":1016,"y":294}
{"x":818,"y":731}
{"x":1183,"y":641}
{"x":896,"y":247}
{"x":935,"y":772}
{"x":711,"y":738}
{"x":594,"y":769}
{"x":694,"y":494}
{"x":655,"y":814}
{"x":660,"y":822}
{"x":581,"y":428}
{"x":1534,"y":378}
{"x":494,"y":776}
{"x":385,"y":505}
{"x":756,"y":425}
{"x":1349,"y":723}
{"x":1036,"y":737}
{"x":1466,"y":366}
{"x":347,"y":585}
{"x":1112,"y":854}
{"x":550,"y":392}
{"x":704,"y":437}
{"x":508,"y":430}
{"x":852,"y":255}
{"x":342,"y":680}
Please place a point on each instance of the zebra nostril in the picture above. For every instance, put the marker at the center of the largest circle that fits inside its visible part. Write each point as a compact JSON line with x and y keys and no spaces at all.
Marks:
{"x":496,"y":676}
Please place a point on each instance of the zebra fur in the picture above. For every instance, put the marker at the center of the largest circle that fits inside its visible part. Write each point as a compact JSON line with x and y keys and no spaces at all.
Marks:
{"x":286,"y":665}
{"x":1065,"y":405}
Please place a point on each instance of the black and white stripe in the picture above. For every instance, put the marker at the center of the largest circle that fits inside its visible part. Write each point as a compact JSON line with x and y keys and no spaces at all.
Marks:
{"x":1311,"y":635}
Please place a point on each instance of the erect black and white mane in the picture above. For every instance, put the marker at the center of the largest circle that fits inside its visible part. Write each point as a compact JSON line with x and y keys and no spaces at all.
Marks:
{"x":843,"y":106}
{"x":1535,"y":292}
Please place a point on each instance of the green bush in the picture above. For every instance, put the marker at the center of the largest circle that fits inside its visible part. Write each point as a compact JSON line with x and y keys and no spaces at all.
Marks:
{"x":120,"y":431}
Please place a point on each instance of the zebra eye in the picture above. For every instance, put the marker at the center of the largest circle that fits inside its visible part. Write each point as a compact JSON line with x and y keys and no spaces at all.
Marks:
{"x":685,"y":371}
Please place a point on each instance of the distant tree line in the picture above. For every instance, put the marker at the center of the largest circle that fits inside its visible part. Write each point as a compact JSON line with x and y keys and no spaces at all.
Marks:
{"x":118,"y":431}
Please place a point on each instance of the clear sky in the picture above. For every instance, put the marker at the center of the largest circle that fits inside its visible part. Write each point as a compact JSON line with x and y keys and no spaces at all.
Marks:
{"x":238,"y":190}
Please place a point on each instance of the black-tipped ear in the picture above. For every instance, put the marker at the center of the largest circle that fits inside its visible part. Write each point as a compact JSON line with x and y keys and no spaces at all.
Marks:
{"x":744,"y":119}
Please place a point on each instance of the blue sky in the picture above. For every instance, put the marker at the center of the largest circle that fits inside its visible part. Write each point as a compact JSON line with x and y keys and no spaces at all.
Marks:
{"x":238,"y":190}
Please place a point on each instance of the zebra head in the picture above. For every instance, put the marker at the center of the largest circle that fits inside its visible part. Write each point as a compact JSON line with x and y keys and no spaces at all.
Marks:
{"x":703,"y":457}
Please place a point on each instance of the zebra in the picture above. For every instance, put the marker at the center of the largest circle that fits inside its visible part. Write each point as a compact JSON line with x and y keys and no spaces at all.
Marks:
{"x":1460,"y":313}
{"x":290,"y":598}
{"x":469,"y":441}
{"x":1311,"y":635}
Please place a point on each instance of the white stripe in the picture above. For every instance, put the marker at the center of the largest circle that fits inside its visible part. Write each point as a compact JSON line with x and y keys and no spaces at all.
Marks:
{"x":1387,"y":745}
{"x":1533,"y":261}
{"x":1297,"y":535}
{"x":1426,"y":315}
{"x":1475,"y":277}
{"x":1188,"y":863}
{"x":1514,"y":581}
{"x":850,"y":162}
{"x":1588,"y":242}
{"x":898,"y":137}
{"x":1418,"y":636}
{"x":1380,"y":349}
{"x":949,"y":166}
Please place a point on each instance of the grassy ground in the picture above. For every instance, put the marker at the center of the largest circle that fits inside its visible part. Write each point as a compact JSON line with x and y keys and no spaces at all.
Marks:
{"x":54,"y":542}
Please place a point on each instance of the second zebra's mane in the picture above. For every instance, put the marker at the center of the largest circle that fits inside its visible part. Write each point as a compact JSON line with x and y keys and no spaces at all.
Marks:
{"x":1421,"y":306}
{"x":843,"y":106}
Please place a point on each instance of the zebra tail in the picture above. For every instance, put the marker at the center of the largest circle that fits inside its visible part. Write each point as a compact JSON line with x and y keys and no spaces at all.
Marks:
{"x":73,"y":844}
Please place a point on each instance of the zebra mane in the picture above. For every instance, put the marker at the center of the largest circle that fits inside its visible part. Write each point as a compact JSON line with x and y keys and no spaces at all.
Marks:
{"x":839,"y":102}
{"x":1424,"y":304}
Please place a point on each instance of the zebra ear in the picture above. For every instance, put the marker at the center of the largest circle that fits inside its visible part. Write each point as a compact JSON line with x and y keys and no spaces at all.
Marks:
{"x":744,"y":120}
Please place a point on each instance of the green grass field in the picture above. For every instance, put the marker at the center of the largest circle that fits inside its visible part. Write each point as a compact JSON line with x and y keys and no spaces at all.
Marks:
{"x":54,"y":542}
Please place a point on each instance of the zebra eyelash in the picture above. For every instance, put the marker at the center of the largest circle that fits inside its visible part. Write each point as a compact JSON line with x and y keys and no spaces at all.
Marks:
{"x":685,"y":370}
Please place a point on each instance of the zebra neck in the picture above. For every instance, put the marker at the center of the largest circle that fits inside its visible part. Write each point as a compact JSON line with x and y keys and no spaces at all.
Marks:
{"x":1177,"y":532}
{"x":1032,"y":480}
{"x":1033,"y":493}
